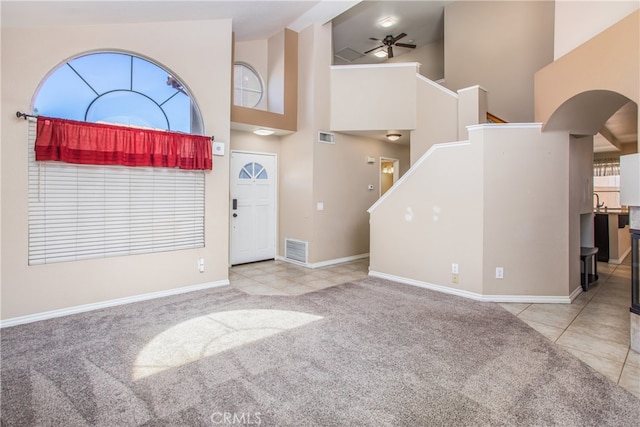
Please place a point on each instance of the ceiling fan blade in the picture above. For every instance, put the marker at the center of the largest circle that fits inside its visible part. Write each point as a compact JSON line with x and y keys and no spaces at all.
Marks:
{"x":389,"y":52}
{"x":371,"y":50}
{"x":399,"y":36}
{"x":375,"y":40}
{"x":410,"y":46}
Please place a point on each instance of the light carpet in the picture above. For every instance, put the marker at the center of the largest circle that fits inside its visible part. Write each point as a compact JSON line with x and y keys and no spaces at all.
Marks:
{"x":367,"y":353}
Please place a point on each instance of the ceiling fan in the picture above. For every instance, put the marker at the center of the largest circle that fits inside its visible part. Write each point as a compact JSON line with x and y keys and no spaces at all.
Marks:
{"x":390,"y":41}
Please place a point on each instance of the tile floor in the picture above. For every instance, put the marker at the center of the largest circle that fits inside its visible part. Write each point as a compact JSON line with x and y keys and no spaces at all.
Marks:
{"x":594,"y":328}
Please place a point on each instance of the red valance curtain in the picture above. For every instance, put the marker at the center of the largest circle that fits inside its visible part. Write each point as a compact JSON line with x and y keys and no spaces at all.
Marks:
{"x":102,"y":144}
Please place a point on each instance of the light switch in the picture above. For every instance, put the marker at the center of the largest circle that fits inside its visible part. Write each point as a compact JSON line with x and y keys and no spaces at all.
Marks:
{"x":320,"y":206}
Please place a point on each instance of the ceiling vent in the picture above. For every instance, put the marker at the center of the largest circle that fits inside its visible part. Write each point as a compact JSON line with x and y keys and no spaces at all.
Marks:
{"x":348,"y":54}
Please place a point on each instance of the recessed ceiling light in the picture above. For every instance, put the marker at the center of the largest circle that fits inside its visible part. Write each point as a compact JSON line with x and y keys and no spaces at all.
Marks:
{"x":387,"y":22}
{"x":263,"y":132}
{"x":380,"y":54}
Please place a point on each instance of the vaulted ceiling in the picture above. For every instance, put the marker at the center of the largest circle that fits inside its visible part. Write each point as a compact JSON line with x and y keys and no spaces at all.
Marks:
{"x":355,"y":22}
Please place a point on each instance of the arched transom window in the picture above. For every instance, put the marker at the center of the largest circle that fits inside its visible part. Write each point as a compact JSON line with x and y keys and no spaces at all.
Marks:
{"x":118,"y":88}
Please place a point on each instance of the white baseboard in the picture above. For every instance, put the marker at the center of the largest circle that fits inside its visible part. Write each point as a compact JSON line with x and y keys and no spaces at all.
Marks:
{"x":529,"y":299}
{"x":110,"y":303}
{"x":619,"y":261}
{"x":325,"y":263}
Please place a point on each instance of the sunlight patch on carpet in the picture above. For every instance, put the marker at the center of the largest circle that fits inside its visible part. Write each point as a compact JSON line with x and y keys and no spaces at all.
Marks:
{"x":214,"y":333}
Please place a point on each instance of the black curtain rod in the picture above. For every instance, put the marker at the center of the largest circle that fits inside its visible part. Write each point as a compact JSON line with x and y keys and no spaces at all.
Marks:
{"x":25,"y":116}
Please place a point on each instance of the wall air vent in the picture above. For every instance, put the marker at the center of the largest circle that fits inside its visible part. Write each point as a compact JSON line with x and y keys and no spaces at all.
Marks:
{"x":295,"y":250}
{"x":326,"y":137}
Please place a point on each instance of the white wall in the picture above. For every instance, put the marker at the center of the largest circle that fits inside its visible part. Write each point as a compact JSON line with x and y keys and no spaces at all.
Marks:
{"x":578,"y":21}
{"x":28,"y":55}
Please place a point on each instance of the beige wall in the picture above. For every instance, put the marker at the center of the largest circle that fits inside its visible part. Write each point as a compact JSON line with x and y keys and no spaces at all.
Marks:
{"x":275,"y":76}
{"x":500,"y":200}
{"x":525,"y":210}
{"x":499,"y":45}
{"x":431,"y":219}
{"x":256,"y":54}
{"x":578,"y":21}
{"x":373,"y":97}
{"x":472,"y":109}
{"x":335,"y":174}
{"x":342,"y":176}
{"x":437,"y":117}
{"x":430,"y":57}
{"x":27,"y":56}
{"x":583,"y":88}
{"x":287,"y":119}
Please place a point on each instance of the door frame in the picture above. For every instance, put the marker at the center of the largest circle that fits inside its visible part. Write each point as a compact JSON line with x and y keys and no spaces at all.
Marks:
{"x":276,"y":197}
{"x":396,"y":171}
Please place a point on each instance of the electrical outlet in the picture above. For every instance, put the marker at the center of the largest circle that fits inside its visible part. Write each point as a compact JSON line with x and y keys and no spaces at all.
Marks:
{"x":454,"y":277}
{"x":454,"y":268}
{"x":499,"y":273}
{"x":201,"y":265}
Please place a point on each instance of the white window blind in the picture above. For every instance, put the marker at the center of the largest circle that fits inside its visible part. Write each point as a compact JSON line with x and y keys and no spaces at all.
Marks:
{"x":83,"y":211}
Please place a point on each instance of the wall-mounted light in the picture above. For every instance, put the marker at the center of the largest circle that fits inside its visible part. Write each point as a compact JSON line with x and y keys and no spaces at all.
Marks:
{"x":387,"y":22}
{"x":263,"y":132}
{"x":380,"y":54}
{"x":393,"y":137}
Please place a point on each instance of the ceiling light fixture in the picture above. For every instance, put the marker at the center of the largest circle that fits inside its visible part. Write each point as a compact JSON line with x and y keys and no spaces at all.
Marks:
{"x":380,"y":54}
{"x":263,"y":132}
{"x":387,"y":22}
{"x":393,"y":137}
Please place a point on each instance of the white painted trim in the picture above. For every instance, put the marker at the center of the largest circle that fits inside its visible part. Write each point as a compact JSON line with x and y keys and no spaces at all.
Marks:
{"x":109,"y":303}
{"x":464,"y":89}
{"x":415,"y":166}
{"x":576,"y":293}
{"x":504,"y":126}
{"x":472,"y":295}
{"x":619,"y":261}
{"x":437,"y":85}
{"x":324,"y":263}
{"x":338,"y":260}
{"x":371,"y":66}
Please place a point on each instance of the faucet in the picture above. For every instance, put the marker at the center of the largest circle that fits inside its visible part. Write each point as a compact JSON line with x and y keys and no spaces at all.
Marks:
{"x":598,"y":204}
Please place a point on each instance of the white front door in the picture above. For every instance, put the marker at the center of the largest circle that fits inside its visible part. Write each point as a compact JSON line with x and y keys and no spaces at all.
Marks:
{"x":253,"y":207}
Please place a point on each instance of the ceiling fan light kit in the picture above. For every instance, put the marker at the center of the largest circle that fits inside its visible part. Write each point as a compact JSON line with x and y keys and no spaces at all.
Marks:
{"x":389,"y":41}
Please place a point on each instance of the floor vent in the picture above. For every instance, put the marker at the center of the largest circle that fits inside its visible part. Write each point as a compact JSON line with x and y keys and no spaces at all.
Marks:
{"x":295,"y":250}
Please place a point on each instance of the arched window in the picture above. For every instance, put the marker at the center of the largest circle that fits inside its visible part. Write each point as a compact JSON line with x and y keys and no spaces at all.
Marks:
{"x":118,"y":88}
{"x":80,"y":212}
{"x":247,"y":85}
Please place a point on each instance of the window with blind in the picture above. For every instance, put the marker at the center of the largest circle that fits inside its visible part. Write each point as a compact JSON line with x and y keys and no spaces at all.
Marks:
{"x":79,"y":212}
